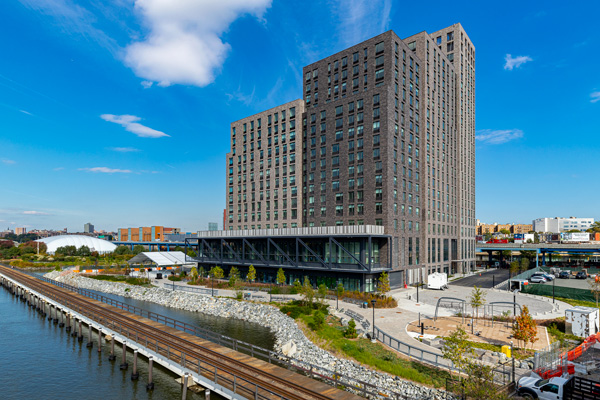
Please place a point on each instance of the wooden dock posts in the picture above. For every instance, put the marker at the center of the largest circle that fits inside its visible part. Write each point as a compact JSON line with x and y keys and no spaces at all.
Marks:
{"x":74,"y":325}
{"x":112,"y":356}
{"x":134,"y":374}
{"x":150,"y":385}
{"x":124,"y":364}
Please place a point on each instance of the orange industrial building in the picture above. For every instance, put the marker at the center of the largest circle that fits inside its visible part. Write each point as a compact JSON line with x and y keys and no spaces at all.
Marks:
{"x":146,"y":234}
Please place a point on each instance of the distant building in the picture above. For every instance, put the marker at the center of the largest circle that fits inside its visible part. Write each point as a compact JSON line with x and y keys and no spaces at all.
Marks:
{"x":146,"y":234}
{"x":559,"y":224}
{"x":213,"y":226}
{"x":20,"y":231}
{"x":88,"y":228}
{"x":483,"y":229}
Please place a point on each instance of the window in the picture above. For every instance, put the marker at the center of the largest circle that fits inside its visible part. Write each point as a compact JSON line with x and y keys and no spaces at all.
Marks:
{"x":375,"y":99}
{"x":379,"y":61}
{"x":438,"y":40}
{"x":359,"y":104}
{"x":378,"y":74}
{"x":379,"y":47}
{"x":376,"y":112}
{"x":339,"y":110}
{"x":376,"y":126}
{"x":339,"y":135}
{"x":376,"y":139}
{"x":355,"y":57}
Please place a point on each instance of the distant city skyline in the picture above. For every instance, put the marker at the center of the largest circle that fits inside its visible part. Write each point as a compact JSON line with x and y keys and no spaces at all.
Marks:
{"x":91,"y":130}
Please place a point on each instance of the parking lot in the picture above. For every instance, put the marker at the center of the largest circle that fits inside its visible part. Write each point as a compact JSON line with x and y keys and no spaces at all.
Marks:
{"x":570,"y":283}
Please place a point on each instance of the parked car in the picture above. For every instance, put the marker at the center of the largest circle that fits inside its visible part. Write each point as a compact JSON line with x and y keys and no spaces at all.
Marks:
{"x":549,"y":277}
{"x":537,"y":278}
{"x":581,"y":275}
{"x":564,"y":275}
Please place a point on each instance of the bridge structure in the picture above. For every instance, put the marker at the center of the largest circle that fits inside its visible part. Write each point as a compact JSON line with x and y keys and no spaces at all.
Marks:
{"x":229,"y":373}
{"x":542,"y":249}
{"x":158,"y":246}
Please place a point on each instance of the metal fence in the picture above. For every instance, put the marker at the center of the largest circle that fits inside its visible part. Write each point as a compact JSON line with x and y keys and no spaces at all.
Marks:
{"x":335,"y":378}
{"x":173,"y":286}
{"x":502,"y":374}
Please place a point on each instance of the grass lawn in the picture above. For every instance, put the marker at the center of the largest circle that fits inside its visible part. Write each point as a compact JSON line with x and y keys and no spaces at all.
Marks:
{"x":573,"y":302}
{"x":331,"y":337}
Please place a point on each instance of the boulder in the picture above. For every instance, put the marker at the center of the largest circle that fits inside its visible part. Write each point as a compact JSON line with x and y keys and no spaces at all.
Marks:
{"x":289,"y":349}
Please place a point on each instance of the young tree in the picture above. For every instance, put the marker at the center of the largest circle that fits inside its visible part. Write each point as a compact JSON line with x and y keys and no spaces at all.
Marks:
{"x":322,"y":293}
{"x":234,"y":276}
{"x":297,"y":286}
{"x":251,"y":273}
{"x":479,"y":382}
{"x":514,"y":268}
{"x":525,"y":328}
{"x":194,"y":274}
{"x":318,"y":321}
{"x":308,"y":293}
{"x":201,"y":272}
{"x":339,"y":290}
{"x":384,"y":283}
{"x":216,"y":272}
{"x":477,"y":299}
{"x":350,"y":332}
{"x":280,"y":277}
{"x":524,"y":264}
{"x":457,"y":348}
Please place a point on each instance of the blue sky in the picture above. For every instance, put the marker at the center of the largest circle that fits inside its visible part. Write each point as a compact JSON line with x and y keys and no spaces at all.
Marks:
{"x":118,"y":113}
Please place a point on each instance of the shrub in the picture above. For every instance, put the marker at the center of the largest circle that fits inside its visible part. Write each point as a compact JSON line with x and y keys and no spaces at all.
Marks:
{"x":350,"y":331}
{"x":318,"y":321}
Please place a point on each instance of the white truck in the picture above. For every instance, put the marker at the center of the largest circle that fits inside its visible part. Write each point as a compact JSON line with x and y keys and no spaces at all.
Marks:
{"x":437,"y":280}
{"x":573,"y":388}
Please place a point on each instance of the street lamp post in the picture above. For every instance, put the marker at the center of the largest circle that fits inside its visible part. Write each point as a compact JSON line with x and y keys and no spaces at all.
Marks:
{"x":417,"y":292}
{"x":373,"y":303}
{"x":553,"y":286}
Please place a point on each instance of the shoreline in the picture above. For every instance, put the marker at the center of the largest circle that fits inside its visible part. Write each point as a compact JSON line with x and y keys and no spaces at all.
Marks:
{"x":282,"y":326}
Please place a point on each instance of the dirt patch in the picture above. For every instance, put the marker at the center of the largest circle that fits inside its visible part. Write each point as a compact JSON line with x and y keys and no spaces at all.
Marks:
{"x":500,"y":333}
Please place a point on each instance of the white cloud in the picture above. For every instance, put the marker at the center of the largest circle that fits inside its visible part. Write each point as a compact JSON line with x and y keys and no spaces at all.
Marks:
{"x":106,"y":170}
{"x":146,"y":84}
{"x":129,"y":122}
{"x":35,"y":213}
{"x":125,"y":149}
{"x":515,"y":62}
{"x":361,"y":19}
{"x":27,"y":112}
{"x":498,"y":136}
{"x":595,"y":97}
{"x":58,"y":168}
{"x":8,"y":162}
{"x":183,"y":45}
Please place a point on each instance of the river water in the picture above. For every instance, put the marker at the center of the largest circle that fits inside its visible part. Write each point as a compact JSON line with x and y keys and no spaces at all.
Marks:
{"x":39,"y":360}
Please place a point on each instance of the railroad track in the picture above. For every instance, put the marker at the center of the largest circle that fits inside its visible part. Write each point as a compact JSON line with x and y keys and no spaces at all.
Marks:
{"x":248,"y":376}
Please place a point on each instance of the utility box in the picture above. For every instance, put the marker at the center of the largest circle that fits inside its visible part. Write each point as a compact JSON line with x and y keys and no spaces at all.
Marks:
{"x":506,"y":350}
{"x":437,"y":280}
{"x":582,"y":321}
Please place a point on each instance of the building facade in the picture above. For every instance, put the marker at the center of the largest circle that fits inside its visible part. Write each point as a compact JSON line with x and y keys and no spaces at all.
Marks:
{"x":146,"y":233}
{"x":88,"y":228}
{"x":483,"y":229}
{"x":559,"y":224}
{"x":20,"y":231}
{"x":386,"y":138}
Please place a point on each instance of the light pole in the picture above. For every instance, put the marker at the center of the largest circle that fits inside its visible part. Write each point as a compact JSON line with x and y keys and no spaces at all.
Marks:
{"x":417,"y":292}
{"x":513,"y":361}
{"x":373,"y":303}
{"x":553,"y":286}
{"x":212,"y":284}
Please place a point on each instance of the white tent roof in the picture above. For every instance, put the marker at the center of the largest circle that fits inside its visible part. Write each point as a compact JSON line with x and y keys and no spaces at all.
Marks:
{"x":160,"y":258}
{"x":94,"y":244}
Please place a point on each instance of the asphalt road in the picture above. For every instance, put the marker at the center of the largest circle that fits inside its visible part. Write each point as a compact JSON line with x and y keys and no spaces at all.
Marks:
{"x":486,"y":280}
